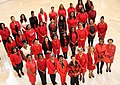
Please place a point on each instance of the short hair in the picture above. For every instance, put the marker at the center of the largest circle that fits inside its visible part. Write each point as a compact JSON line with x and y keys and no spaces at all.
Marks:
{"x":35,"y":40}
{"x":52,"y":7}
{"x":102,"y":17}
{"x":72,"y":56}
{"x":71,"y":3}
{"x":11,"y":17}
{"x":110,"y":40}
{"x":32,"y":12}
{"x":101,"y":39}
{"x":28,"y":55}
{"x":60,"y":56}
{"x":24,"y":41}
{"x":40,"y":54}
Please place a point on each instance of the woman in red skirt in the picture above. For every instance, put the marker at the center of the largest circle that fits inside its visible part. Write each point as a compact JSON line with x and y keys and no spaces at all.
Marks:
{"x":62,"y":10}
{"x":31,"y":69}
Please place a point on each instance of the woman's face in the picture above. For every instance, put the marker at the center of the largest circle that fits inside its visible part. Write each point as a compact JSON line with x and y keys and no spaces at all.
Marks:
{"x":29,"y":27}
{"x":29,"y":58}
{"x":10,"y":39}
{"x":46,"y":39}
{"x":64,"y":34}
{"x":101,"y":42}
{"x":91,"y":50}
{"x":2,"y":26}
{"x":80,"y":2}
{"x":13,"y":19}
{"x":19,"y":32}
{"x":52,"y":9}
{"x":61,"y":17}
{"x":110,"y":42}
{"x":14,"y":50}
{"x":101,"y":20}
{"x":36,"y":42}
{"x":40,"y":57}
{"x":52,"y":21}
{"x":73,"y":30}
{"x":61,"y":6}
{"x":80,"y":26}
{"x":41,"y":23}
{"x":73,"y":59}
{"x":55,"y":37}
{"x":91,"y":21}
{"x":25,"y":45}
{"x":82,"y":10}
{"x":72,"y":14}
{"x":23,"y":17}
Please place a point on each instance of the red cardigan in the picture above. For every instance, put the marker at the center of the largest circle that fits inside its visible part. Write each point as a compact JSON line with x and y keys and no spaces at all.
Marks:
{"x":41,"y":64}
{"x":5,"y":33}
{"x":62,"y":12}
{"x":40,"y":16}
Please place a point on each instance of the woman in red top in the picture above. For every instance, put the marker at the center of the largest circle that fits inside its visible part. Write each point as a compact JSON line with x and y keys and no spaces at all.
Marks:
{"x":30,"y":34}
{"x":92,"y":14}
{"x":73,"y":37}
{"x":83,"y":60}
{"x":19,"y":38}
{"x":52,"y":68}
{"x":79,"y":6}
{"x":92,"y":60}
{"x":102,"y":28}
{"x":82,"y":17}
{"x":14,"y":26}
{"x":4,"y":32}
{"x":70,"y":9}
{"x":72,"y":21}
{"x":92,"y":29}
{"x":16,"y":60}
{"x":10,"y":43}
{"x":62,"y":68}
{"x":62,"y":10}
{"x":56,"y":45}
{"x":31,"y":69}
{"x":36,"y":49}
{"x":42,"y":32}
{"x":88,"y":5}
{"x":111,"y":48}
{"x":53,"y":14}
{"x":41,"y":64}
{"x":82,"y":35}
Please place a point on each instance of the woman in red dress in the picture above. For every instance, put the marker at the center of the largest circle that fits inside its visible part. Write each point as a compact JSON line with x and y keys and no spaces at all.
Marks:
{"x":19,"y":38}
{"x":111,"y":48}
{"x":42,"y":64}
{"x":53,"y":14}
{"x":92,"y":60}
{"x":102,"y":28}
{"x":92,"y":14}
{"x":72,"y":21}
{"x":10,"y":43}
{"x":70,"y":9}
{"x":14,"y":26}
{"x":42,"y":32}
{"x":4,"y":32}
{"x":47,"y":47}
{"x":31,"y":69}
{"x":36,"y":49}
{"x":83,"y":60}
{"x":30,"y":34}
{"x":79,"y":6}
{"x":62,"y":10}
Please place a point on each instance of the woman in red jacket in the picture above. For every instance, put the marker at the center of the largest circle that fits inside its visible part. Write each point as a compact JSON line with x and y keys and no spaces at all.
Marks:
{"x":70,"y":9}
{"x":102,"y":28}
{"x":62,"y":68}
{"x":36,"y":49}
{"x":82,"y":35}
{"x":79,"y":6}
{"x":111,"y":48}
{"x":53,"y":14}
{"x":92,"y":14}
{"x":72,"y":21}
{"x":82,"y":17}
{"x":92,"y":60}
{"x":52,"y":68}
{"x":31,"y":69}
{"x":92,"y":29}
{"x":30,"y":34}
{"x":14,"y":26}
{"x":4,"y":32}
{"x":42,"y":16}
{"x":41,"y":64}
{"x":42,"y":32}
{"x":62,"y":10}
{"x":10,"y":43}
{"x":16,"y":60}
{"x":19,"y":38}
{"x":83,"y":60}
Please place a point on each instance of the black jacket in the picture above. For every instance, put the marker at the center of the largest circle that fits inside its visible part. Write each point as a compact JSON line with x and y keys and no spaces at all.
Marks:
{"x":45,"y":49}
{"x":33,"y":20}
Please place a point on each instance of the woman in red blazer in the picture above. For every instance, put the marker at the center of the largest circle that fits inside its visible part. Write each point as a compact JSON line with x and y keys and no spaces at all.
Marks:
{"x":79,"y":6}
{"x":16,"y":60}
{"x":10,"y":43}
{"x":111,"y":48}
{"x":42,"y":32}
{"x":53,"y":14}
{"x":4,"y":32}
{"x":41,"y":64}
{"x":14,"y":26}
{"x":92,"y":60}
{"x":62,"y":68}
{"x":19,"y":38}
{"x":83,"y":60}
{"x":52,"y":68}
{"x":102,"y":28}
{"x":36,"y":49}
{"x":31,"y":69}
{"x":42,"y":16}
{"x":62,"y":10}
{"x":30,"y":34}
{"x":71,"y":9}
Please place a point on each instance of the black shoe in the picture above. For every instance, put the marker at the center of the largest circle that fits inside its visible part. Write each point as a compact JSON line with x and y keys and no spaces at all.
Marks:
{"x":19,"y":75}
{"x":107,"y":70}
{"x":22,"y":73}
{"x":101,"y":71}
{"x":80,"y":78}
{"x":65,"y":83}
{"x":84,"y":49}
{"x":83,"y":80}
{"x":55,"y":82}
{"x":97,"y":71}
{"x":93,"y":76}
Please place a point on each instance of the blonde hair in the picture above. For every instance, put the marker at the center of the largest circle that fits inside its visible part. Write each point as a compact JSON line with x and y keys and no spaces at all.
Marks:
{"x":89,"y":48}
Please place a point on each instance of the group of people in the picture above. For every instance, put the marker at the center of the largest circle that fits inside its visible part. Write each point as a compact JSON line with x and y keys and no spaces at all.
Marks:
{"x":31,"y":39}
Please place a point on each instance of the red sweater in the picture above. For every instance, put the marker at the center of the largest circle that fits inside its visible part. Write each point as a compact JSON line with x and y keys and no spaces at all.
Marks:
{"x":41,"y":64}
{"x":40,"y":16}
{"x":19,"y":40}
{"x":5,"y":33}
{"x":92,"y":14}
{"x":69,"y":10}
{"x":53,"y":15}
{"x":62,"y":12}
{"x":82,"y":17}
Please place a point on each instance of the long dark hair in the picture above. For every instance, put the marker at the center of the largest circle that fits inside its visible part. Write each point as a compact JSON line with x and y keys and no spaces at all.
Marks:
{"x":73,"y":16}
{"x":62,"y":38}
{"x":1,"y":26}
{"x":21,"y":20}
{"x":14,"y":47}
{"x":81,"y":2}
{"x":64,"y":19}
{"x":71,"y":33}
{"x":8,"y":39}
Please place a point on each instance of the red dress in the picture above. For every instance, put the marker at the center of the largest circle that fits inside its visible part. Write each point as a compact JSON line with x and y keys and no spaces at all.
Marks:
{"x":30,"y":35}
{"x":19,"y":40}
{"x":62,"y":70}
{"x":53,"y":15}
{"x":111,"y":50}
{"x":92,"y":14}
{"x":32,"y":66}
{"x":102,"y":28}
{"x":40,"y":17}
{"x":82,"y":34}
{"x":41,"y":64}
{"x":56,"y":46}
{"x":62,"y":12}
{"x":69,"y":10}
{"x":42,"y":31}
{"x":83,"y":62}
{"x":36,"y":50}
{"x":82,"y":17}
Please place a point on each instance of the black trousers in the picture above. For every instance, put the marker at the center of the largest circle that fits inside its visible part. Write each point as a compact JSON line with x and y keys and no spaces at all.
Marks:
{"x":18,"y":67}
{"x":4,"y":43}
{"x":74,"y":80}
{"x":65,"y":55}
{"x":73,"y":50}
{"x":53,"y":77}
{"x":90,"y":40}
{"x":43,"y":77}
{"x":101,"y":66}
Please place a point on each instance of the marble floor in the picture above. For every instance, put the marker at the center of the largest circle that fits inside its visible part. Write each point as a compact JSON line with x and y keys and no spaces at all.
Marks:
{"x":108,"y":8}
